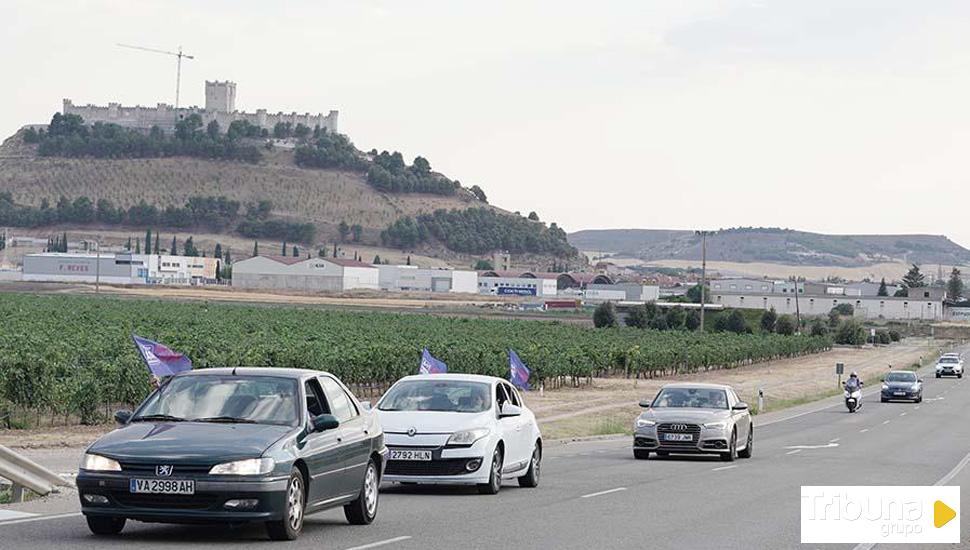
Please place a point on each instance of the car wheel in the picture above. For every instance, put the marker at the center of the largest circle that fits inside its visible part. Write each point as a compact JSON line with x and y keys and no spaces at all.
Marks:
{"x":289,"y":527}
{"x":363,"y":509}
{"x":749,"y":446}
{"x":641,"y":454}
{"x":494,"y":477}
{"x":883,"y":400}
{"x":732,"y":449}
{"x":100,"y":525}
{"x":938,"y":375}
{"x":960,"y":375}
{"x":531,"y":477}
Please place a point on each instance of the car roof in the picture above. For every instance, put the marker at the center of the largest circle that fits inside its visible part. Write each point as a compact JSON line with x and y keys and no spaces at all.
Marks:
{"x":256,"y":371}
{"x":456,"y":377}
{"x":697,"y":386}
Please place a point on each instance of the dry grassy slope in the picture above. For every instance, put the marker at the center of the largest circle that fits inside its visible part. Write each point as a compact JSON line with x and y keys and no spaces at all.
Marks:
{"x":324,"y":197}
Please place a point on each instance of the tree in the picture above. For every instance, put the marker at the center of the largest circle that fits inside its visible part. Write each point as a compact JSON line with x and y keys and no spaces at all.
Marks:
{"x":296,"y":251}
{"x":818,"y":327}
{"x":533,"y":216}
{"x":768,"y":320}
{"x":357,"y":230}
{"x":174,"y":250}
{"x":284,"y":248}
{"x":217,"y":252}
{"x":844,"y":309}
{"x":604,"y":316}
{"x":377,"y":259}
{"x":228,"y":256}
{"x":694,"y":294}
{"x":637,"y":317}
{"x":137,"y":246}
{"x":128,"y":245}
{"x":148,"y":241}
{"x":255,"y":248}
{"x":344,"y":230}
{"x":693,"y":320}
{"x":883,"y":289}
{"x":954,"y":287}
{"x":213,"y":130}
{"x":483,"y":265}
{"x":409,"y":259}
{"x":189,"y":247}
{"x":913,"y":278}
{"x":479,"y":194}
{"x":736,"y":323}
{"x":850,"y":333}
{"x":785,"y":325}
{"x":675,"y":318}
{"x":158,"y":249}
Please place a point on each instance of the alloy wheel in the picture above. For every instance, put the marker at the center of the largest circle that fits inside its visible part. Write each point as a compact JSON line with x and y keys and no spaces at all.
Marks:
{"x":294,"y":503}
{"x":370,"y":490}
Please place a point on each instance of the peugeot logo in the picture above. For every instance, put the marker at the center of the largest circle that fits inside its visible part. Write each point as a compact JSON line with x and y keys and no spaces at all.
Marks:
{"x":678,"y":427}
{"x":412,"y":431}
{"x":164,"y":471}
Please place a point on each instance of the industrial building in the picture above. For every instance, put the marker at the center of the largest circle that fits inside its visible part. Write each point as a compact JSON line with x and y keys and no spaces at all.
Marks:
{"x":620,"y":292}
{"x":121,"y":269}
{"x":404,"y":278}
{"x":517,"y":286}
{"x":307,"y":274}
{"x":925,"y":304}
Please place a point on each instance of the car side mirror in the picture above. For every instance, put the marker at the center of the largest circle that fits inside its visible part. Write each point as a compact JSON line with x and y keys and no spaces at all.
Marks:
{"x":366,"y":405}
{"x":509,"y":409}
{"x":122,"y":417}
{"x":741,"y":406}
{"x":920,"y":380}
{"x":325,"y":422}
{"x":646,"y":404}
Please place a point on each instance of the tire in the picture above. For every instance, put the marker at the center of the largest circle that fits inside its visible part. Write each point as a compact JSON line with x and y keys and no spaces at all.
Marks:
{"x":105,"y":526}
{"x":749,"y":447}
{"x":641,"y":454}
{"x":960,"y":375}
{"x":494,"y":484}
{"x":938,"y":375}
{"x":531,"y":477}
{"x":883,"y":400}
{"x":732,"y":453}
{"x":363,"y":509}
{"x":290,"y":526}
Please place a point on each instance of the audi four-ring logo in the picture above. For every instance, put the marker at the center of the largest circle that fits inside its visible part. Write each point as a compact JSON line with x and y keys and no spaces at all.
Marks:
{"x":678,"y":427}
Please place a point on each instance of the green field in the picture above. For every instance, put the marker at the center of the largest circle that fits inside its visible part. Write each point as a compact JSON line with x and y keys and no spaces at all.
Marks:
{"x":71,"y":357}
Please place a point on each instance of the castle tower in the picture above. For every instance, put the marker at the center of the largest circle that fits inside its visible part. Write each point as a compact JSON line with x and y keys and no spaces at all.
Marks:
{"x":220,"y":96}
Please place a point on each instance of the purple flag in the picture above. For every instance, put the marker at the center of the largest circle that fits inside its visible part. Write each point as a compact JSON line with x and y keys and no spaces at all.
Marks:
{"x":518,"y":372}
{"x":159,"y":359}
{"x":430,"y":364}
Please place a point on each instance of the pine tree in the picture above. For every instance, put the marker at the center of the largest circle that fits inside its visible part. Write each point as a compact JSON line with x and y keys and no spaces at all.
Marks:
{"x":137,"y":246}
{"x":913,"y":278}
{"x":284,"y":248}
{"x":64,"y":243}
{"x":255,"y":248}
{"x":377,"y":260}
{"x":175,"y":250}
{"x":334,"y":250}
{"x":296,"y":251}
{"x":158,"y":249}
{"x":128,"y":245}
{"x":954,"y":287}
{"x":409,"y":259}
{"x":148,"y":241}
{"x":218,"y":251}
{"x":883,"y":289}
{"x":228,"y":257}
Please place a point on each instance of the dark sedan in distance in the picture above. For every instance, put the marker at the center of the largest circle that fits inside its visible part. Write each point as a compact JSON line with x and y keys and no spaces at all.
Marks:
{"x":236,"y":445}
{"x":902,"y":385}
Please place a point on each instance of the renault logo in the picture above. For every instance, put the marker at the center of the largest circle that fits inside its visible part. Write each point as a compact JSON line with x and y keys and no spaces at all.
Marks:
{"x":412,"y":431}
{"x":679,"y":427}
{"x":164,"y":471}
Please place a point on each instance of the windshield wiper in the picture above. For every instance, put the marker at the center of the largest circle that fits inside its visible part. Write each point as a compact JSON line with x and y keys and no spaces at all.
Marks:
{"x":226,"y":419}
{"x":151,"y":417}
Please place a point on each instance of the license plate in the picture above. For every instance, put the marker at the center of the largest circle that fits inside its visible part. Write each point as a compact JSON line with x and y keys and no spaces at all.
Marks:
{"x":899,"y":393}
{"x":678,"y":437}
{"x":410,"y":455}
{"x":162,"y":486}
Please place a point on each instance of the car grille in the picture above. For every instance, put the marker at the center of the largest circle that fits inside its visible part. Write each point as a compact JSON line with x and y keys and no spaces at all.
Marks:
{"x":177,"y":469}
{"x":674,"y":427}
{"x":172,"y":502}
{"x":443,"y":467}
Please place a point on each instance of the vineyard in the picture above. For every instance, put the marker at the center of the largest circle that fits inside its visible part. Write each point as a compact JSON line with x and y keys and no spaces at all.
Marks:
{"x":66,"y":359}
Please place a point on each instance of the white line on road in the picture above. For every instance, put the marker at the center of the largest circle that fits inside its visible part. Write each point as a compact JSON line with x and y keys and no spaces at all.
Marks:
{"x":379,"y":543}
{"x":724,"y":468}
{"x":836,"y":440}
{"x":863,"y":430}
{"x":884,"y":422}
{"x":39,"y":518}
{"x":793,"y":452}
{"x":617,"y":490}
{"x":902,"y":414}
{"x":916,"y":408}
{"x":826,"y":446}
{"x":13,"y":514}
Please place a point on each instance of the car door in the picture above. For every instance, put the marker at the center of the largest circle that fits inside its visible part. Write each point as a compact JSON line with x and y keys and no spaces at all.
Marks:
{"x":741,"y":420}
{"x":355,"y":445}
{"x":511,"y":427}
{"x":524,"y":431}
{"x":320,"y":450}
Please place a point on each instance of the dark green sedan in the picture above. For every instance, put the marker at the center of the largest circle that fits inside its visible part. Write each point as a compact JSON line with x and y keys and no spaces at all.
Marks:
{"x":236,"y":445}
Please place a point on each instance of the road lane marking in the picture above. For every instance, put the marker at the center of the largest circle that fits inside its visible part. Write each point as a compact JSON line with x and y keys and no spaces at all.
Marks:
{"x":836,"y":440}
{"x":793,"y":452}
{"x":39,"y":518}
{"x":884,"y":422}
{"x":902,"y":414}
{"x":379,"y":543}
{"x":724,"y":468}
{"x":617,"y":490}
{"x":13,"y":514}
{"x":826,"y":446}
{"x":863,"y":430}
{"x":916,"y":408}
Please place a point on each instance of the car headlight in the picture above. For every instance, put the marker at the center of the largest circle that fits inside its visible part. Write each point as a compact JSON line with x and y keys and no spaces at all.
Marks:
{"x":915,"y":387}
{"x":466,"y":438}
{"x":715,"y":425}
{"x":643,"y":423}
{"x":248,"y":467}
{"x":885,"y":387}
{"x":98,"y":463}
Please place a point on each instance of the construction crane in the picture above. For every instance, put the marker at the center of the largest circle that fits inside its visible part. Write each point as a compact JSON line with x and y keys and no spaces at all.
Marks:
{"x":178,"y":74}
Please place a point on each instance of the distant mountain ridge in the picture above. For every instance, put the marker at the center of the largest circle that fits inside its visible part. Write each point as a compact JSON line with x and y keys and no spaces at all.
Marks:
{"x":774,"y":245}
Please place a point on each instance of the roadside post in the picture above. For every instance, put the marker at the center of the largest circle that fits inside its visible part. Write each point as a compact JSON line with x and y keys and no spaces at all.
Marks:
{"x":839,"y":370}
{"x":761,"y":400}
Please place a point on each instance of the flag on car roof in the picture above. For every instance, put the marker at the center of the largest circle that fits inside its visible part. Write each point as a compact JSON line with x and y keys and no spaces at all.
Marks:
{"x":518,"y":372}
{"x":430,"y":364}
{"x":161,"y":360}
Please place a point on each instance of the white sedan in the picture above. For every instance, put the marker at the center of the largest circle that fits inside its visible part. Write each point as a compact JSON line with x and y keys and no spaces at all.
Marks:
{"x":459,"y":429}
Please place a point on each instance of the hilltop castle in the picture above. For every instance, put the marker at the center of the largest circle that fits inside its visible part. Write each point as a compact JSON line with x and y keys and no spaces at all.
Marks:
{"x":220,"y":105}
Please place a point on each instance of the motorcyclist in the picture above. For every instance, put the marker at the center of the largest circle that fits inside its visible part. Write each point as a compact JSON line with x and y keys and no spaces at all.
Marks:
{"x":854,"y":382}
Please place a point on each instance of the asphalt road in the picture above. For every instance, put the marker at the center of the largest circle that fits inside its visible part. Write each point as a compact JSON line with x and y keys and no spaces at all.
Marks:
{"x":595,"y":495}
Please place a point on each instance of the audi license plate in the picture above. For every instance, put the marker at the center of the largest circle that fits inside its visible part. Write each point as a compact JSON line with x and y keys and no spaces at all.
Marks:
{"x":678,"y":437}
{"x":162,"y":486}
{"x":410,"y":455}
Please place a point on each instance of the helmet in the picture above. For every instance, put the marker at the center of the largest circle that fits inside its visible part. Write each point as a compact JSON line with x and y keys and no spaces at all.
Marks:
{"x":854,"y":374}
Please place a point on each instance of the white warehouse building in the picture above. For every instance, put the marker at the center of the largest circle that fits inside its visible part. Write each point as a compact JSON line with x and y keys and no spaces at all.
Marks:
{"x":119,"y":269}
{"x":403,"y":278}
{"x":925,"y":308}
{"x":517,"y":286}
{"x":309,"y":274}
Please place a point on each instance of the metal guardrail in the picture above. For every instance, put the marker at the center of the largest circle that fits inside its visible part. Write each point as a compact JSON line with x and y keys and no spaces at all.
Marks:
{"x":24,"y":473}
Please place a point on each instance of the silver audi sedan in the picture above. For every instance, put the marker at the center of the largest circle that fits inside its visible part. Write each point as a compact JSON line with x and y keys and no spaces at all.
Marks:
{"x":694,"y":418}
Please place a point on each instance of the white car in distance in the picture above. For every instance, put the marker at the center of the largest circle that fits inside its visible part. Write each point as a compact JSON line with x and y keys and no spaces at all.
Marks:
{"x":949,"y":364}
{"x":459,"y":429}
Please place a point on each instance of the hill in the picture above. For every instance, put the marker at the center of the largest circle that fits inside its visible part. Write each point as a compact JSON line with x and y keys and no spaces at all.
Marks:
{"x":772,"y":245}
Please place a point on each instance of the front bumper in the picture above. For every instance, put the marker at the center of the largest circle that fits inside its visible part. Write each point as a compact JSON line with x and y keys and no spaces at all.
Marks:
{"x":207,"y":505}
{"x":707,"y":441}
{"x":448,"y":466}
{"x":891,"y":394}
{"x":949,"y":371}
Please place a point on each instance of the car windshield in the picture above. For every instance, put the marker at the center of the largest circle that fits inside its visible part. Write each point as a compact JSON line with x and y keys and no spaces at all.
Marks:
{"x":211,"y":398}
{"x":437,"y":395}
{"x":691,"y":398}
{"x":945,"y":359}
{"x":901,"y":377}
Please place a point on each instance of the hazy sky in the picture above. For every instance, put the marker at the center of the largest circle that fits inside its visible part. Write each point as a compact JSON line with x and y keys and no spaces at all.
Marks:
{"x":834,"y":116}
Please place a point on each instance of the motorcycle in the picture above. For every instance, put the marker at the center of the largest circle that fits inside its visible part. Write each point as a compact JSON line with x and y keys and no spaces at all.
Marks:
{"x":853,"y":399}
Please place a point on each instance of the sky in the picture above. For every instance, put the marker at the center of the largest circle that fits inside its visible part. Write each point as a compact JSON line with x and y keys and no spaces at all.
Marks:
{"x":835,"y":116}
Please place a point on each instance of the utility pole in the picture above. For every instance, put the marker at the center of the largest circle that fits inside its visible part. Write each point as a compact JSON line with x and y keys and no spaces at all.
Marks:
{"x":97,"y":269}
{"x":798,"y":317}
{"x":703,"y":235}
